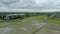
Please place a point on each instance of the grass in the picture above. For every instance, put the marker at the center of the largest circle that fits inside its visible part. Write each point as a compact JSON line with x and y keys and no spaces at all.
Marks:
{"x":38,"y":18}
{"x":42,"y":19}
{"x":9,"y":22}
{"x":4,"y":23}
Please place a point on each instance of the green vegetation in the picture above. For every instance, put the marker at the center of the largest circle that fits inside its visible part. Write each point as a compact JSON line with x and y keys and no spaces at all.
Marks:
{"x":42,"y":19}
{"x":4,"y":23}
{"x":8,"y":22}
{"x":38,"y":18}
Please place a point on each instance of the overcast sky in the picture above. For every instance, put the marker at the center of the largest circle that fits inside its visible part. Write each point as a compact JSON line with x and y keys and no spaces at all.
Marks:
{"x":29,"y":4}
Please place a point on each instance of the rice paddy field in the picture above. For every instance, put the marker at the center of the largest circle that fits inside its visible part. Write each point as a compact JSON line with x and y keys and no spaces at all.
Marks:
{"x":43,"y":19}
{"x":30,"y":25}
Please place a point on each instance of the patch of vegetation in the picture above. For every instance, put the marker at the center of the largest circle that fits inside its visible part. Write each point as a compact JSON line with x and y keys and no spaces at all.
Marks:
{"x":4,"y":23}
{"x":8,"y":22}
{"x":42,"y":19}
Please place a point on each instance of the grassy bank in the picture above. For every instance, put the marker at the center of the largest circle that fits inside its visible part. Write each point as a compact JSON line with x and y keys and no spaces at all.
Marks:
{"x":42,"y":19}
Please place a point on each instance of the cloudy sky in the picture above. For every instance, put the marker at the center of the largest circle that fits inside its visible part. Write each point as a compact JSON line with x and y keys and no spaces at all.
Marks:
{"x":29,"y":4}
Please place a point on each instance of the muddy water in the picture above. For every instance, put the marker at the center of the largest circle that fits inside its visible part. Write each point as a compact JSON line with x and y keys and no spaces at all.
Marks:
{"x":25,"y":27}
{"x":50,"y":29}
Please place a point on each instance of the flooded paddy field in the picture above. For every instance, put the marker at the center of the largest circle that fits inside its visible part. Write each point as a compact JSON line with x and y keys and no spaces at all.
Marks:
{"x":29,"y":26}
{"x":50,"y":29}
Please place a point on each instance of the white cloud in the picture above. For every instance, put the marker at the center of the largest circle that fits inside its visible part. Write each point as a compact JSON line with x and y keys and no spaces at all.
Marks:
{"x":30,"y":4}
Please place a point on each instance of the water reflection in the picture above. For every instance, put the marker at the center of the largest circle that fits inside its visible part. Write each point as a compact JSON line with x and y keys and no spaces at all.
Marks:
{"x":22,"y":28}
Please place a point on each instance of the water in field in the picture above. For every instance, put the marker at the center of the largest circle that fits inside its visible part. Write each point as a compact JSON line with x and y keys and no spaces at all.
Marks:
{"x":29,"y":27}
{"x":23,"y":27}
{"x":50,"y":29}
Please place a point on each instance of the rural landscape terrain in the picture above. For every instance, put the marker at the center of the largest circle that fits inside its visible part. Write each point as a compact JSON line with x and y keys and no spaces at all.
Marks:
{"x":29,"y":16}
{"x":30,"y":23}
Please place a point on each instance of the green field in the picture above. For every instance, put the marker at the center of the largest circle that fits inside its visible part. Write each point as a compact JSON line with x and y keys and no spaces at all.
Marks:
{"x":42,"y":19}
{"x":37,"y":18}
{"x":29,"y":25}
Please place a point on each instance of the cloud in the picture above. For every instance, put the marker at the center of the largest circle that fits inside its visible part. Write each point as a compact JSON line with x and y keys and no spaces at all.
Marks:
{"x":29,"y":4}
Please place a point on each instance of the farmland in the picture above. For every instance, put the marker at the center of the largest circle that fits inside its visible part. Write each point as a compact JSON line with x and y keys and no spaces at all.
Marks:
{"x":29,"y":25}
{"x":43,"y":19}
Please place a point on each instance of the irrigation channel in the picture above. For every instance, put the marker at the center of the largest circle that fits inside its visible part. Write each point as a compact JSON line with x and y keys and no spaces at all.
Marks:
{"x":28,"y":26}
